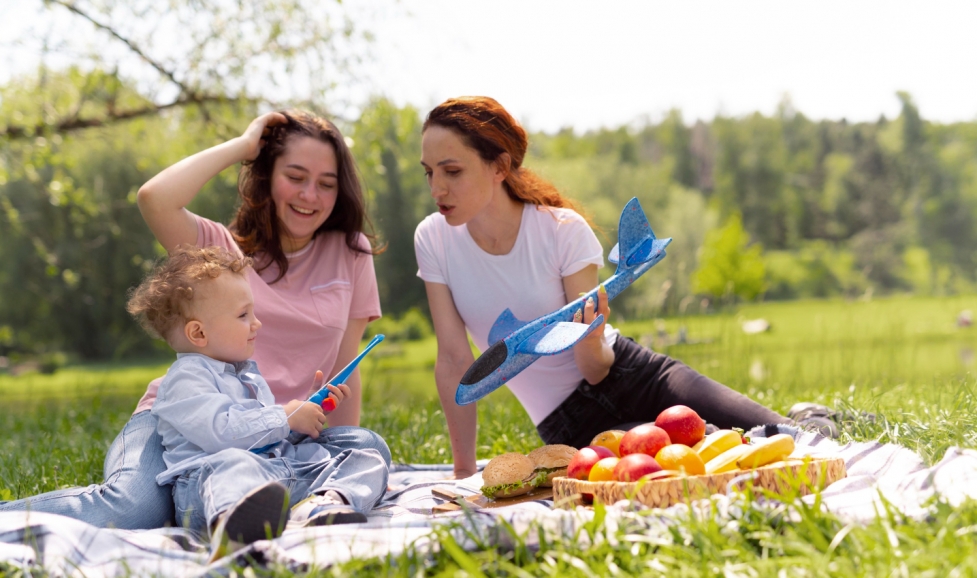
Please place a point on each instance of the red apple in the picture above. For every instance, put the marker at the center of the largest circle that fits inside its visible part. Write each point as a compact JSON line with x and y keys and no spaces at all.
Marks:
{"x":646,"y":438}
{"x":682,"y":424}
{"x":633,"y":466}
{"x":585,"y":458}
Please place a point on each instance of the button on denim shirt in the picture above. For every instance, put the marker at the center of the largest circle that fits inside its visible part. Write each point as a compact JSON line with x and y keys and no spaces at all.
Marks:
{"x":205,"y":406}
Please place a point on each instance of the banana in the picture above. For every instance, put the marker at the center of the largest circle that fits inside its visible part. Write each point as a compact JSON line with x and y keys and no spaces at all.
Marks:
{"x":768,"y":451}
{"x":726,"y":461}
{"x":717,"y":443}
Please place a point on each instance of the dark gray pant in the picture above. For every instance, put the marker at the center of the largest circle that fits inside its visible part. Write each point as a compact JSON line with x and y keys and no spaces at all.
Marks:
{"x":641,"y":384}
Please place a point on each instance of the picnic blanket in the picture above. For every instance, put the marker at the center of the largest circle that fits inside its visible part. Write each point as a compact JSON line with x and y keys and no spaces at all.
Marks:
{"x":403,"y":522}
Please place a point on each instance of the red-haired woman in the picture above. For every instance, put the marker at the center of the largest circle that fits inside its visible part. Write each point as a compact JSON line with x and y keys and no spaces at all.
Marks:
{"x":302,"y":220}
{"x":505,"y":238}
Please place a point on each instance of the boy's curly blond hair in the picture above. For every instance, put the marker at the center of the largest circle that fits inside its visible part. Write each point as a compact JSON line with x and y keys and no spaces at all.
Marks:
{"x":163,"y":298}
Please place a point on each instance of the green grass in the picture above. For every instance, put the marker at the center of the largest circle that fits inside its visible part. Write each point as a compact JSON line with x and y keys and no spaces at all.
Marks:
{"x":901,"y":358}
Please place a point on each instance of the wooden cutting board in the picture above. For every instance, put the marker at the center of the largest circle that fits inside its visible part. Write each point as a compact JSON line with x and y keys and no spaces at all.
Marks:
{"x":478,"y":501}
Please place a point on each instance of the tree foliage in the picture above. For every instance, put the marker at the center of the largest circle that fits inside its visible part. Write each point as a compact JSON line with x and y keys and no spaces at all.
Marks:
{"x":839,"y":208}
{"x":729,"y":265}
{"x":136,"y":58}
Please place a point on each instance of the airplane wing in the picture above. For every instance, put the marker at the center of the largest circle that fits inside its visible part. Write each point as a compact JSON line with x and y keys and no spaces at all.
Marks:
{"x":557,"y":338}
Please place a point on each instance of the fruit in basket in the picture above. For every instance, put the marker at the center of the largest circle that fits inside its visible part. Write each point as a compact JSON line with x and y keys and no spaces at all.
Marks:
{"x":718,"y":442}
{"x":661,"y":475}
{"x":682,"y":425}
{"x":585,"y":458}
{"x":633,"y":466}
{"x":508,"y":475}
{"x":646,"y":438}
{"x":787,"y":463}
{"x":726,"y":461}
{"x":610,"y":439}
{"x":680,"y":457}
{"x":551,"y":461}
{"x":767,"y":451}
{"x":603,"y":471}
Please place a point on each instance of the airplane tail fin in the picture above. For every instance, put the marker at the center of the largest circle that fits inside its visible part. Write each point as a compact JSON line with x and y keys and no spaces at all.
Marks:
{"x":637,"y":243}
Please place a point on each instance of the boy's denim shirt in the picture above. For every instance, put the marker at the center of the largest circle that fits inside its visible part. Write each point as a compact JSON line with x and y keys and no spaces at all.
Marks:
{"x":205,"y":406}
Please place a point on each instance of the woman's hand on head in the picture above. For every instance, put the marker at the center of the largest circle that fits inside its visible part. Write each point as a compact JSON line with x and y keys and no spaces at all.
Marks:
{"x":254,"y":135}
{"x":305,"y":417}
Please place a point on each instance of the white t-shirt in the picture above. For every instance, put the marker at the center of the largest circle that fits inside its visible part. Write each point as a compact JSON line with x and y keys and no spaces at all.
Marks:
{"x":552,"y":244}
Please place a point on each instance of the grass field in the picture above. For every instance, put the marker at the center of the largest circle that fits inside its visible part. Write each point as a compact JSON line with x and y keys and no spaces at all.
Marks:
{"x":902,"y":358}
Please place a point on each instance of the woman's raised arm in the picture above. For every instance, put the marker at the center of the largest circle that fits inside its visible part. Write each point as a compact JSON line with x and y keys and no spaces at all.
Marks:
{"x":163,"y":199}
{"x":454,"y":359}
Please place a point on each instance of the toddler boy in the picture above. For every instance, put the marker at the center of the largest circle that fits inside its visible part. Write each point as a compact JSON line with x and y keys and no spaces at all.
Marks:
{"x":213,"y":407}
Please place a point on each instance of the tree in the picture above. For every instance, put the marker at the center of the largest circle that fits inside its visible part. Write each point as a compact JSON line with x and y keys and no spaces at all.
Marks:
{"x":387,"y":147}
{"x":728,"y":266}
{"x":137,"y":58}
{"x":122,"y":88}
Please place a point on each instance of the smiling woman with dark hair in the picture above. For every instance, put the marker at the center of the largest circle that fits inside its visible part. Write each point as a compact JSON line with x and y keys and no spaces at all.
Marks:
{"x":302,"y":221}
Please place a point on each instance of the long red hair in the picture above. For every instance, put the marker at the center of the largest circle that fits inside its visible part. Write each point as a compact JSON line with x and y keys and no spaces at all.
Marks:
{"x":490,"y":130}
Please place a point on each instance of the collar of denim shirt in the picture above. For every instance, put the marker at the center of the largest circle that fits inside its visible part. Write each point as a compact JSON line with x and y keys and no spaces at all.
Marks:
{"x":239,"y":368}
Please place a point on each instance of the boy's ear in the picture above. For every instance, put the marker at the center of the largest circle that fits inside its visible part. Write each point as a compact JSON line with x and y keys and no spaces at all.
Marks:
{"x":194,"y":332}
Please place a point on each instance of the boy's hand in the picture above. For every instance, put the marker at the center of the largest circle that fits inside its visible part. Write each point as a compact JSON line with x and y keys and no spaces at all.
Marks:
{"x":337,"y":393}
{"x":309,"y":418}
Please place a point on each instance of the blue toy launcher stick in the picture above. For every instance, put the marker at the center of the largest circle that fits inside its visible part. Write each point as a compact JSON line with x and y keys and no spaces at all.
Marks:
{"x":321,"y":397}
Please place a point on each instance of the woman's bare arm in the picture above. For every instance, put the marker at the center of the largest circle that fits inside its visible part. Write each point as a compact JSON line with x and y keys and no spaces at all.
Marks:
{"x":454,"y":359}
{"x":163,"y":199}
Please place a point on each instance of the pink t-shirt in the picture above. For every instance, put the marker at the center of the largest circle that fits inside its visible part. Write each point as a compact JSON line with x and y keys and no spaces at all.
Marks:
{"x":303,"y":314}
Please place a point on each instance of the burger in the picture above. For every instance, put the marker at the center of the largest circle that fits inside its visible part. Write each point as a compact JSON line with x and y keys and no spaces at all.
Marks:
{"x":551,"y":461}
{"x":508,"y":475}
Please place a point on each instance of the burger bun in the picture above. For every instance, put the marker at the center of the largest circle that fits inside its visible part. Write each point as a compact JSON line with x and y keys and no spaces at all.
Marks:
{"x":512,"y":469}
{"x":554,"y":459}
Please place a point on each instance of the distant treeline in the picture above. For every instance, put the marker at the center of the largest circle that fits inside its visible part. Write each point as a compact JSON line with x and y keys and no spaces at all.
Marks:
{"x":771,"y":207}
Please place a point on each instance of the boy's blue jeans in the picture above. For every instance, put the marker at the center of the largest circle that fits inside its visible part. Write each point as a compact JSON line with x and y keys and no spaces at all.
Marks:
{"x":130,"y":498}
{"x":360,"y":476}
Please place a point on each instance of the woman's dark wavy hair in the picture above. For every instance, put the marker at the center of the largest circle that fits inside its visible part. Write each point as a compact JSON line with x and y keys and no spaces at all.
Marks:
{"x":256,"y":226}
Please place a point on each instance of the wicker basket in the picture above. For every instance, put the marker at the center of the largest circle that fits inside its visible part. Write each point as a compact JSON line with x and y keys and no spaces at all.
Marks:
{"x":814,"y":473}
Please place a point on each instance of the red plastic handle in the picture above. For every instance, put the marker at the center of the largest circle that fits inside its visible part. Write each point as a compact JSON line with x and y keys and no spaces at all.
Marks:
{"x":328,"y":404}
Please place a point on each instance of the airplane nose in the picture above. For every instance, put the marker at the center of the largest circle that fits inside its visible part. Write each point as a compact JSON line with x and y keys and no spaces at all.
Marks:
{"x":487,"y":362}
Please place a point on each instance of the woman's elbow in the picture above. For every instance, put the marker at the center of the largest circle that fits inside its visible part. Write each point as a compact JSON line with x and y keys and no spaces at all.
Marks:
{"x":144,"y":197}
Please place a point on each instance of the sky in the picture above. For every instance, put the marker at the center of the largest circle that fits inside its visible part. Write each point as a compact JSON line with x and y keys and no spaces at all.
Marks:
{"x":592,"y":64}
{"x":586,"y":65}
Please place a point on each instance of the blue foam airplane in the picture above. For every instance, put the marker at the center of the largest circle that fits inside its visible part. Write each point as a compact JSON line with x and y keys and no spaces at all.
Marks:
{"x":517,"y":344}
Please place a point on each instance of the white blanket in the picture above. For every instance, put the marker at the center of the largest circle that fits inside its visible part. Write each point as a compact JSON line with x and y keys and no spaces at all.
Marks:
{"x":62,"y":546}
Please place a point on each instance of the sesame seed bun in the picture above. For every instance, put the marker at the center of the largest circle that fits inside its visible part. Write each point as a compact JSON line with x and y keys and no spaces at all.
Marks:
{"x":508,"y":475}
{"x":553,"y":459}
